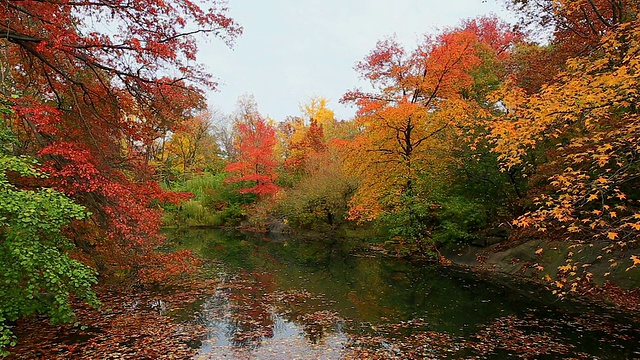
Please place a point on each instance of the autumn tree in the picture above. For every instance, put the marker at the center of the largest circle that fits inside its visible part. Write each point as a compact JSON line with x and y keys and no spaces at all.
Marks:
{"x":288,"y":131}
{"x":420,"y":100}
{"x":589,"y":191}
{"x":192,"y":147}
{"x":320,"y":188}
{"x":255,"y":166}
{"x":317,"y":109}
{"x":91,"y":100}
{"x":321,"y":194}
{"x":311,"y":144}
{"x":575,"y":26}
{"x":569,"y":28}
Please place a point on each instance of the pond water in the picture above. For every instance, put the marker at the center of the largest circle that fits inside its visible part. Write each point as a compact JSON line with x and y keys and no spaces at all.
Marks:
{"x":313,"y":300}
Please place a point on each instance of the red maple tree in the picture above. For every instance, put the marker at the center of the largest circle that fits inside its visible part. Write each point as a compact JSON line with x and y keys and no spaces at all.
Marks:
{"x":94,"y":83}
{"x":256,"y":164}
{"x":311,"y":143}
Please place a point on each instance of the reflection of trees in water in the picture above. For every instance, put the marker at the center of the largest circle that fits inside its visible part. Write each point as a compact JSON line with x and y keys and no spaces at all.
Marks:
{"x":313,"y":332}
{"x":254,"y":314}
{"x":240,"y":310}
{"x":250,"y":311}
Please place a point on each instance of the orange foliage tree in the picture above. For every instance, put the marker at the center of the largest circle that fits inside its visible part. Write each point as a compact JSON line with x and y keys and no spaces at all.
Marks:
{"x":420,"y":100}
{"x":311,"y":143}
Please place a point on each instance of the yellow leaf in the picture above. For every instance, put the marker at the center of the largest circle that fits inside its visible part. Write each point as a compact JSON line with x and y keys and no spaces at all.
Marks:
{"x":612,"y":235}
{"x":539,"y":251}
{"x":565,"y":267}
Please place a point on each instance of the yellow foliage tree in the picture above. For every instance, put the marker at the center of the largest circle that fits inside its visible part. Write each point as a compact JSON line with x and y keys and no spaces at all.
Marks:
{"x":191,"y":148}
{"x":317,"y":110}
{"x":591,"y":115}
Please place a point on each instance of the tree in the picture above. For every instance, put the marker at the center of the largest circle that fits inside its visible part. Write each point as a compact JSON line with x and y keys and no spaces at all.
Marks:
{"x":317,"y":110}
{"x":91,"y":101}
{"x":37,"y":267}
{"x":589,"y":192}
{"x":288,"y":131}
{"x":322,"y":192}
{"x":572,"y":28}
{"x":421,"y":99}
{"x":255,"y":166}
{"x":575,"y":26}
{"x":192,"y":147}
{"x":312,"y":143}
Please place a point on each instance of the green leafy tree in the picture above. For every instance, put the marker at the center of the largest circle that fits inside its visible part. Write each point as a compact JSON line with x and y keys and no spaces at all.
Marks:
{"x":37,"y":273}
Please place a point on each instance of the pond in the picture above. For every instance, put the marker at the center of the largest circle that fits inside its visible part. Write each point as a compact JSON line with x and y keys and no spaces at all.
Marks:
{"x":290,"y":299}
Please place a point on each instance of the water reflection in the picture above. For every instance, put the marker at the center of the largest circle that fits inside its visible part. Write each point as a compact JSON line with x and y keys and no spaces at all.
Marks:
{"x":312,"y":300}
{"x":247,"y":317}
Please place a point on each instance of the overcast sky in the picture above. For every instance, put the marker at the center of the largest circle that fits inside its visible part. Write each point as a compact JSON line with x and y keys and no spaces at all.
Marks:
{"x":292,"y":50}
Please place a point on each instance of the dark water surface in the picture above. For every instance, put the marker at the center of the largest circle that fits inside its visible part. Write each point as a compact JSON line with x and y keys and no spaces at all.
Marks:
{"x":313,"y":300}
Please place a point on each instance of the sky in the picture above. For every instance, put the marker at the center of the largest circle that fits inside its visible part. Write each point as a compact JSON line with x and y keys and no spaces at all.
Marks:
{"x":293,"y":50}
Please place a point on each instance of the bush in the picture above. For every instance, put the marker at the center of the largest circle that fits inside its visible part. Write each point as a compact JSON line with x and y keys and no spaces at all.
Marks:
{"x":460,"y":220}
{"x":231,"y":216}
{"x":215,"y":202}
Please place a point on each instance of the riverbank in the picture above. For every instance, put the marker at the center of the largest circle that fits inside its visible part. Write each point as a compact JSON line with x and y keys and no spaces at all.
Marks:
{"x":610,"y":284}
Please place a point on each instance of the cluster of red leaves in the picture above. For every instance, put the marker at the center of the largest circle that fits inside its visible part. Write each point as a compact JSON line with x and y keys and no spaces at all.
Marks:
{"x":256,"y":162}
{"x":93,"y":98}
{"x":388,"y":342}
{"x":126,"y":213}
{"x":610,"y":293}
{"x":311,"y":143}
